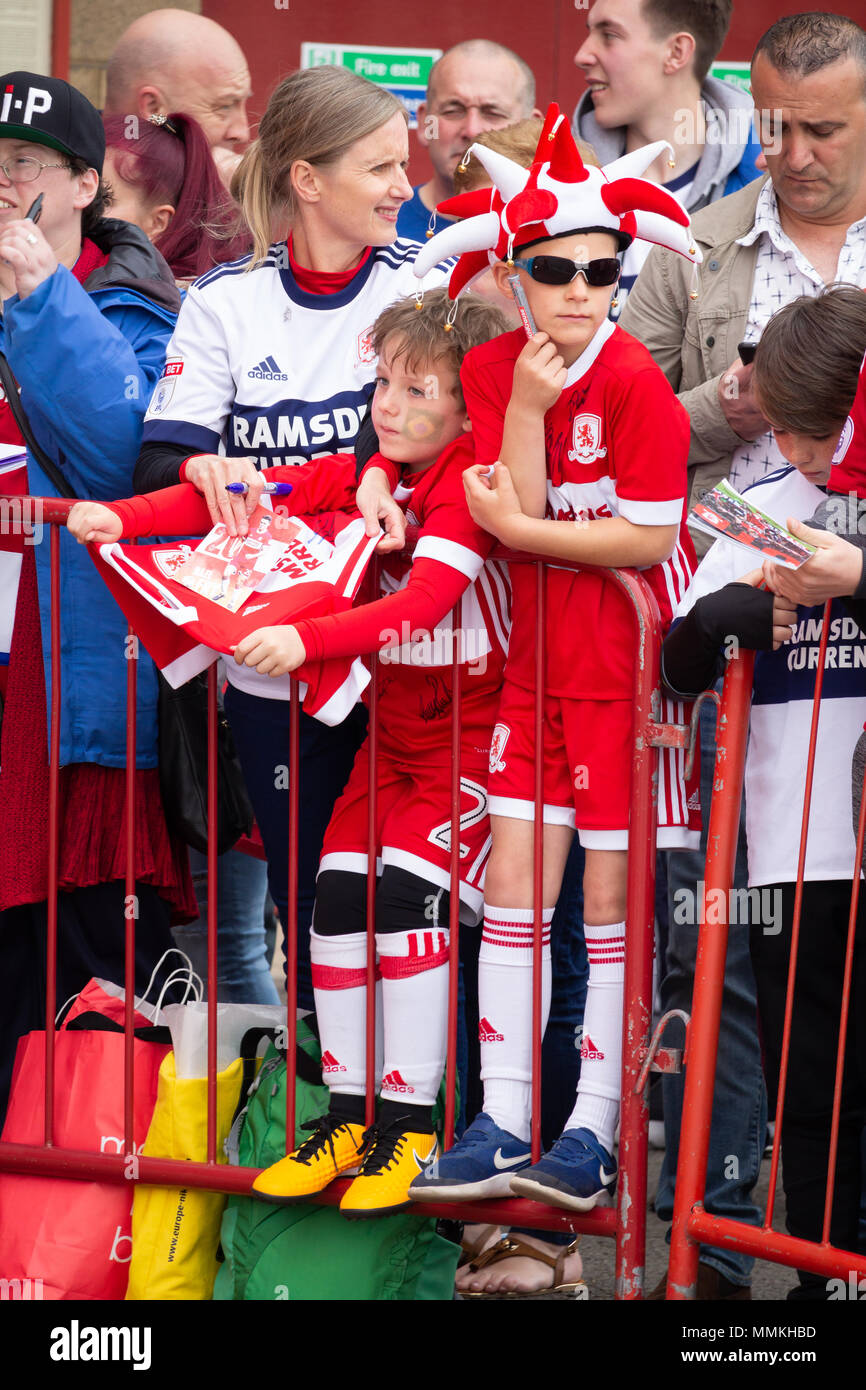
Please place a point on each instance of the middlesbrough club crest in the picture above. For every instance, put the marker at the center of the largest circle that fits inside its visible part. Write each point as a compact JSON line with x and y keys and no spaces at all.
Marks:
{"x":366,"y":353}
{"x":170,"y":561}
{"x":501,"y":735}
{"x":586,"y":440}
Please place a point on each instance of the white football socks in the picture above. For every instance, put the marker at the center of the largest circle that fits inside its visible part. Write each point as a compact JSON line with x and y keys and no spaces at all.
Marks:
{"x":340,"y":989}
{"x":505,"y":1012}
{"x":598,"y":1090}
{"x":414,"y":966}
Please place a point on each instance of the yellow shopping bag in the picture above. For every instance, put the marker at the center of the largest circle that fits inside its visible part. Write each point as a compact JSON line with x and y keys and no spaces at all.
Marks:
{"x":175,"y":1231}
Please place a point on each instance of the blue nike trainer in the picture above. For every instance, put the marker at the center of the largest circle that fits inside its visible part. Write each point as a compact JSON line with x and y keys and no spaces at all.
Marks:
{"x":481,"y":1164}
{"x":577,"y":1173}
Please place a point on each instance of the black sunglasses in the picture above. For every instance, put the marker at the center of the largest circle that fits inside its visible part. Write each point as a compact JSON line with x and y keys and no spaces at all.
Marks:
{"x":558,"y":270}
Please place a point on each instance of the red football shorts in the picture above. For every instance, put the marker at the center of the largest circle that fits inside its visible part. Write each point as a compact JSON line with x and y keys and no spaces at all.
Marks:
{"x":587,"y":751}
{"x":413,"y":811}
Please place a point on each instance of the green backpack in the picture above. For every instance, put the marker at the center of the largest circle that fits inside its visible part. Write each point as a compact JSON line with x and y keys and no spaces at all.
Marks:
{"x":311,"y":1252}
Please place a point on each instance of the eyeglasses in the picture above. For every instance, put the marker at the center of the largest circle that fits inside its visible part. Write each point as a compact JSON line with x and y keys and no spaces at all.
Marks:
{"x":557,"y":270}
{"x":24,"y":168}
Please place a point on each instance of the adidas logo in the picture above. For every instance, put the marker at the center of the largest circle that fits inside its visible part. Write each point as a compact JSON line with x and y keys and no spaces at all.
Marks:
{"x":394,"y":1082}
{"x":330,"y":1063}
{"x":589,"y":1052}
{"x":694,"y":801}
{"x":267,"y":370}
{"x":487,"y":1033}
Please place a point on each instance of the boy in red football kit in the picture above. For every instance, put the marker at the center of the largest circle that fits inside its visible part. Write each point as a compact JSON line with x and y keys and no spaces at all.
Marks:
{"x":417,"y":409}
{"x":422,"y":425}
{"x":591,"y":446}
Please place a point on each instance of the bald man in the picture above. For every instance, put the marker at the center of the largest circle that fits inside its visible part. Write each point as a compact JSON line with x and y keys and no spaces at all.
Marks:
{"x":477,"y":85}
{"x":172,"y":60}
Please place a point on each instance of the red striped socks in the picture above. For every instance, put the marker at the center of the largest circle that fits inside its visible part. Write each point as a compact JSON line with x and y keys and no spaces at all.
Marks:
{"x":414,"y":966}
{"x":598,"y":1091}
{"x":505,"y":1007}
{"x":340,"y":989}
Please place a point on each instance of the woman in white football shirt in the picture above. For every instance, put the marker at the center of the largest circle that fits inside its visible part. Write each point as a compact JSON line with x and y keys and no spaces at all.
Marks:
{"x":271,"y":363}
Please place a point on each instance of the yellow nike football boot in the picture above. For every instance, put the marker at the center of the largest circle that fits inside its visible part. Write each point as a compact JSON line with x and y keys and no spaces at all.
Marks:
{"x":395,"y":1157}
{"x":334,"y":1148}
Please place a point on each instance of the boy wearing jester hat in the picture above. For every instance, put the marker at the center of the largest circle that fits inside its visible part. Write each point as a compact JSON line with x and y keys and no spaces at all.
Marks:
{"x":581,"y":449}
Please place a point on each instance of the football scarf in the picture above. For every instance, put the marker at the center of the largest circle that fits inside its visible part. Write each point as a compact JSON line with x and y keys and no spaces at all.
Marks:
{"x":185,"y":631}
{"x":17,"y":525}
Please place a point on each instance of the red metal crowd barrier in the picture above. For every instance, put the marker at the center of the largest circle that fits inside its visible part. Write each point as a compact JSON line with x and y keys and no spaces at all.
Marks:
{"x":692,"y":1224}
{"x":627,"y":1222}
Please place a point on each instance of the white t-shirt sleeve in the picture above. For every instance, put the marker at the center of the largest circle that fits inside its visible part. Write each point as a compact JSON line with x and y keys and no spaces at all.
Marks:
{"x":192,"y":399}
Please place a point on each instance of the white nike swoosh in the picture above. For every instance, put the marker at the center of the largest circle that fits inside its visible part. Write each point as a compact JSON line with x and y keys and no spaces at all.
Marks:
{"x":607,"y":1180}
{"x":425,"y":1163}
{"x":500,"y":1162}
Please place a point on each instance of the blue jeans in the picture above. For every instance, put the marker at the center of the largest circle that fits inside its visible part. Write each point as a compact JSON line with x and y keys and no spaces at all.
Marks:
{"x":739,"y":1121}
{"x":243,"y":973}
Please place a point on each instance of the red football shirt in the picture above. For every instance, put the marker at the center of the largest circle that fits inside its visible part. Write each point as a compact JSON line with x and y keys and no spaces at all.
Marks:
{"x":450,"y":561}
{"x":849,"y":461}
{"x":617,"y":445}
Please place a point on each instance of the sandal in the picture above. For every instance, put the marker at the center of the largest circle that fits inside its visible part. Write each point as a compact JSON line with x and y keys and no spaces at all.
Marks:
{"x":507,"y":1248}
{"x":473,"y":1249}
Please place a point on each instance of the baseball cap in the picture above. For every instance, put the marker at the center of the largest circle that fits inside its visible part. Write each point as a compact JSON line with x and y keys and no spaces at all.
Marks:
{"x":47,"y":111}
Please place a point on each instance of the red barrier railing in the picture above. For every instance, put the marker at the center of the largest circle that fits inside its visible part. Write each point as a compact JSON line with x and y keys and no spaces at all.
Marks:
{"x":692,"y":1224}
{"x":626,"y":1223}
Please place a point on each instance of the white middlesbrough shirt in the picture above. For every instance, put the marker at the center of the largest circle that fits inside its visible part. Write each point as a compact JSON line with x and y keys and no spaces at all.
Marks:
{"x":782,"y":713}
{"x":259,"y":367}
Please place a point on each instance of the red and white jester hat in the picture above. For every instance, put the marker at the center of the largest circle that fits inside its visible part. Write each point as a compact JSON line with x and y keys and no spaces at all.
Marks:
{"x":557,"y":195}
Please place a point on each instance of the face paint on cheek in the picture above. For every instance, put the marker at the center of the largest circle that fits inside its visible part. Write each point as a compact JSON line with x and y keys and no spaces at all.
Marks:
{"x":421,"y":425}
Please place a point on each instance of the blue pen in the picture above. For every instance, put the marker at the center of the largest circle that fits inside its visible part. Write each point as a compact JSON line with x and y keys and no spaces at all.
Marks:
{"x":275,"y":489}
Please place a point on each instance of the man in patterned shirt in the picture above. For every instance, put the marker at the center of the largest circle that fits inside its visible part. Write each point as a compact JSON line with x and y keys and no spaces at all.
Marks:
{"x":794,"y":232}
{"x":801,"y":228}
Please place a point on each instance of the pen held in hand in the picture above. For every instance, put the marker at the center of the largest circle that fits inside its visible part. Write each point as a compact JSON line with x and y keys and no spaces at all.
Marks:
{"x":275,"y":489}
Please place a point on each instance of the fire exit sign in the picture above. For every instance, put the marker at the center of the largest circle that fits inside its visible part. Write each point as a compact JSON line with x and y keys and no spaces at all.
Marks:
{"x":404,"y":71}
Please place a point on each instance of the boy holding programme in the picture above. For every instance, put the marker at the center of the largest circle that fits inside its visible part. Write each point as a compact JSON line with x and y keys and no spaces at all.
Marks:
{"x":807,"y":410}
{"x":423,"y":428}
{"x":586,"y":447}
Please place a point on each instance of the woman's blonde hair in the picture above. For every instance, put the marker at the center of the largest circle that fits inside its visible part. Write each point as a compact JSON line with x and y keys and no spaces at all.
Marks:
{"x":315,"y":114}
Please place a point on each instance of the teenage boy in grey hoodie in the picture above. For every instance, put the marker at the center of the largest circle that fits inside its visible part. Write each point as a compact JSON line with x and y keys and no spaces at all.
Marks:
{"x":646,"y":64}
